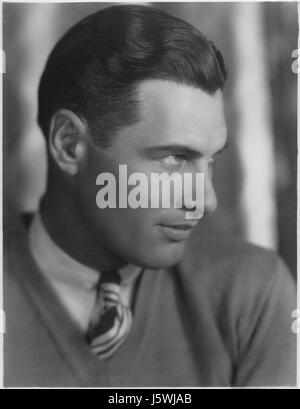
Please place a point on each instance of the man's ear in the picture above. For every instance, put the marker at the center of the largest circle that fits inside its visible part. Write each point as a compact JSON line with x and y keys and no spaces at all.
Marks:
{"x":68,"y":140}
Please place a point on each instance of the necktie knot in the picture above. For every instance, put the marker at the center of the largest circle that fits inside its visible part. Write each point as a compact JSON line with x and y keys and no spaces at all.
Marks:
{"x":111,"y":277}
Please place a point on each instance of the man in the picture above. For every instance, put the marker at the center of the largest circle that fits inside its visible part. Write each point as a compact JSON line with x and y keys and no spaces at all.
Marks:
{"x":118,"y":295}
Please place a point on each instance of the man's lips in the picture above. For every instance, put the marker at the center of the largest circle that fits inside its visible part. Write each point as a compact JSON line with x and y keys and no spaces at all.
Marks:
{"x":177,"y":232}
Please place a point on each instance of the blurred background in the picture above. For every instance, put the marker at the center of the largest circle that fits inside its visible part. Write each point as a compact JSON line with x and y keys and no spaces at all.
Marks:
{"x":255,"y":180}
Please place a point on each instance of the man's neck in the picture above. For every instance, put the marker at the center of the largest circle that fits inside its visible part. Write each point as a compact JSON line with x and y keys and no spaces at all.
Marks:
{"x":69,"y":232}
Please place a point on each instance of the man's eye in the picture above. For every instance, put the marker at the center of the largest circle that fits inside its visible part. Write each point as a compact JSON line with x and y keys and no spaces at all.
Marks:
{"x":173,"y":160}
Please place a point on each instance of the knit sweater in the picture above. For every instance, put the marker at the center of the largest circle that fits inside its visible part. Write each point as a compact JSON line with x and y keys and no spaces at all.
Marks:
{"x":221,"y":317}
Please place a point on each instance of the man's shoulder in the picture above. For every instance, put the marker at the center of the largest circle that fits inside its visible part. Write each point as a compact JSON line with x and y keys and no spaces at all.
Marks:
{"x":249,"y":295}
{"x":237,"y":282}
{"x":35,"y":316}
{"x":230,"y":260}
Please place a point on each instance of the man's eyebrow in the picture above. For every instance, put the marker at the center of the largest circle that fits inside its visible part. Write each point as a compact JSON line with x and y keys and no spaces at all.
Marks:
{"x":180,"y":149}
{"x":173,"y":148}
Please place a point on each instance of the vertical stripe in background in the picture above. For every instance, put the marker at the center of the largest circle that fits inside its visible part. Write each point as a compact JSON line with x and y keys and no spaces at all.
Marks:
{"x":255,"y":140}
{"x":38,"y":36}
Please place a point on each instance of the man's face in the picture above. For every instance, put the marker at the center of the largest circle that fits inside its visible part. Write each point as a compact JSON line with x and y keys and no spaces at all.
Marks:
{"x":181,"y":129}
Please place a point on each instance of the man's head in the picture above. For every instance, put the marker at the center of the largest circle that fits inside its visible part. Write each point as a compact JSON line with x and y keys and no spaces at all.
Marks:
{"x":130,"y":85}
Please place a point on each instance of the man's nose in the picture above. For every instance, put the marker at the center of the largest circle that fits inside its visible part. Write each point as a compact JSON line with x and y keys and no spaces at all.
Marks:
{"x":210,"y":201}
{"x":210,"y":198}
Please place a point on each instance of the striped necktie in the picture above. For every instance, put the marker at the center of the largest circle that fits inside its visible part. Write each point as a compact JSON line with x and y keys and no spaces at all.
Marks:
{"x":111,"y":320}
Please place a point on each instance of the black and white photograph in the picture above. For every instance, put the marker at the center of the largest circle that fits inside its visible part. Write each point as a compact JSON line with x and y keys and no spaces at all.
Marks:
{"x":149,"y":196}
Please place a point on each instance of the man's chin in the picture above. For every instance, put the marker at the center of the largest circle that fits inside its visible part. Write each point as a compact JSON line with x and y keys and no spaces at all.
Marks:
{"x":163,"y":257}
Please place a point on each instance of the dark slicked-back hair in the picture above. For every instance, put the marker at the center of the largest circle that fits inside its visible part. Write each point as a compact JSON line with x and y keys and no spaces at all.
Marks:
{"x":94,"y":70}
